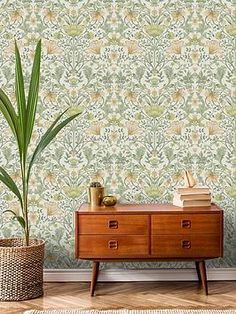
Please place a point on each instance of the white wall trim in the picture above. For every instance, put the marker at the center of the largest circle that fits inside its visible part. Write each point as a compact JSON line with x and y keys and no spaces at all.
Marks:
{"x":66,"y":275}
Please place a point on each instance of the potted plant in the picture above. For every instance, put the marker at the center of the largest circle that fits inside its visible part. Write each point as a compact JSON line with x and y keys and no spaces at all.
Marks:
{"x":95,"y":194}
{"x":21,"y":259}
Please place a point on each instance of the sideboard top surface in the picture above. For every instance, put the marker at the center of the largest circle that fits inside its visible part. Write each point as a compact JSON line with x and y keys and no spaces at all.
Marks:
{"x":145,"y":208}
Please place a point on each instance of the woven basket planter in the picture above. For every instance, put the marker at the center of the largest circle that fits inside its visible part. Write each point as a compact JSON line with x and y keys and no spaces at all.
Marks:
{"x":21,"y":269}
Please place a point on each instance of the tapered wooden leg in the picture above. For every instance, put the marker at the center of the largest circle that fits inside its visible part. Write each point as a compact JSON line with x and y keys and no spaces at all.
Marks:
{"x":94,"y":278}
{"x":202,"y":269}
{"x":198,"y":271}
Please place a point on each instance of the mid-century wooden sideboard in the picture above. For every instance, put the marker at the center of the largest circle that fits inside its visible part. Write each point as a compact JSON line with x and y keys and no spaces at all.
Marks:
{"x":148,"y":232}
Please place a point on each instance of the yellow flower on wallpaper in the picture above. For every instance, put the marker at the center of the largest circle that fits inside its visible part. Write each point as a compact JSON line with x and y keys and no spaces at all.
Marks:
{"x":212,"y":96}
{"x":95,"y":47}
{"x":176,"y":47}
{"x":214,"y":129}
{"x":52,"y":47}
{"x":178,"y":15}
{"x":212,"y":15}
{"x":130,"y":176}
{"x":153,"y":191}
{"x":131,"y":95}
{"x":34,"y":218}
{"x":195,"y":56}
{"x":50,"y":15}
{"x":52,"y":209}
{"x":73,"y":191}
{"x":95,"y":129}
{"x":74,"y":30}
{"x":132,"y":47}
{"x":195,"y":136}
{"x":212,"y":176}
{"x":154,"y":111}
{"x":96,"y":96}
{"x":16,"y":15}
{"x":49,"y":176}
{"x":49,"y":95}
{"x":113,"y":38}
{"x":214,"y":47}
{"x":133,"y":129}
{"x":195,"y":39}
{"x":130,"y":15}
{"x":154,"y":30}
{"x":114,"y":136}
{"x":114,"y":56}
{"x":178,"y":95}
{"x":97,"y":15}
{"x":176,"y":128}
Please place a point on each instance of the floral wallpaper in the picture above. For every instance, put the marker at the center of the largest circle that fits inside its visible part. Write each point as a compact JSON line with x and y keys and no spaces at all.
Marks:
{"x":155,"y":81}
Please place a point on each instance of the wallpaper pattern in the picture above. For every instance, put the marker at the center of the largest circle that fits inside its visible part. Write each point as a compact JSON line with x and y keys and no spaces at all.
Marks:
{"x":156,"y":82}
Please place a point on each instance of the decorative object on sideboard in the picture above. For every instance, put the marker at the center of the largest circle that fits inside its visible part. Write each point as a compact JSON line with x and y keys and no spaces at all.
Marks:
{"x":109,"y":200}
{"x":95,"y":194}
{"x":191,"y":195}
{"x":189,"y":180}
{"x":21,"y":259}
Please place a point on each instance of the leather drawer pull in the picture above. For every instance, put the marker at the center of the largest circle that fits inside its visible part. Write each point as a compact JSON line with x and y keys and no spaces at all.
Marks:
{"x":186,"y":244}
{"x":186,"y":224}
{"x":113,"y":224}
{"x":113,"y":244}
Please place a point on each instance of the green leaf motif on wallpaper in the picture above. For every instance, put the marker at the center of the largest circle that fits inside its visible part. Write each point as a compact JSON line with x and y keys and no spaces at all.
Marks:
{"x":22,"y":123}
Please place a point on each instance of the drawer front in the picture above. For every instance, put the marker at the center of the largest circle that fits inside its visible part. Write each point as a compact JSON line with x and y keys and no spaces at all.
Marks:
{"x":113,"y":224}
{"x":186,"y":246}
{"x":106,"y":246}
{"x":185,"y":223}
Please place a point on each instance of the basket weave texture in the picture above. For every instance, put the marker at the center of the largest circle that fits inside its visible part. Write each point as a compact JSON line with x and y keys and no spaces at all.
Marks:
{"x":21,"y":269}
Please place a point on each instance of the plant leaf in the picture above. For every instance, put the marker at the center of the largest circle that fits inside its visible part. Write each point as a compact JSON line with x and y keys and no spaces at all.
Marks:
{"x":20,"y":219}
{"x":48,"y":137}
{"x":33,"y":93}
{"x":7,"y":180}
{"x":11,"y":120}
{"x":20,"y":94}
{"x":9,"y":211}
{"x":11,"y":117}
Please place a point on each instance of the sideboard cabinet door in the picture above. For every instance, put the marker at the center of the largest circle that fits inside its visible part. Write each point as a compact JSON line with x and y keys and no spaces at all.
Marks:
{"x":192,"y":235}
{"x":110,"y":246}
{"x":186,"y":246}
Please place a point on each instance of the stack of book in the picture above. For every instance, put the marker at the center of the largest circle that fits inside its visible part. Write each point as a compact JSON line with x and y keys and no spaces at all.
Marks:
{"x":192,"y":197}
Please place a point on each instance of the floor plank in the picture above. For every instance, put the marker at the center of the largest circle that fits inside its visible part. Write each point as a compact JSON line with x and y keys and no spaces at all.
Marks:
{"x":187,"y":295}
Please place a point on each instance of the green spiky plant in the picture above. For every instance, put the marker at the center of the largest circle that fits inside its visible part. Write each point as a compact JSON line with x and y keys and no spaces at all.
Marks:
{"x":21,"y":122}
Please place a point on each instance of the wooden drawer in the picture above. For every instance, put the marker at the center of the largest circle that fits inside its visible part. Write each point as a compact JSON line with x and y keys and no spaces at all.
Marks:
{"x":107,"y":246}
{"x":185,"y":223}
{"x":113,"y":224}
{"x":186,"y":246}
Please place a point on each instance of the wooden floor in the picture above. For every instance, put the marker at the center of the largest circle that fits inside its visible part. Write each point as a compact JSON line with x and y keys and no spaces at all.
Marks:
{"x":129,"y":295}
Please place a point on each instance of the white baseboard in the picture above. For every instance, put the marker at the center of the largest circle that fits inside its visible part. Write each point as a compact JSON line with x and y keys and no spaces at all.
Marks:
{"x":66,"y":275}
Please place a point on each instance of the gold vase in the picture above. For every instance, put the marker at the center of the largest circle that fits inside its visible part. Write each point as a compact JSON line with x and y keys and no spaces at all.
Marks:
{"x":95,"y":196}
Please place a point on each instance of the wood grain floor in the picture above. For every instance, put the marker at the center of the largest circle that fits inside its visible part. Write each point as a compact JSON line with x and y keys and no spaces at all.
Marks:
{"x":129,"y":295}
